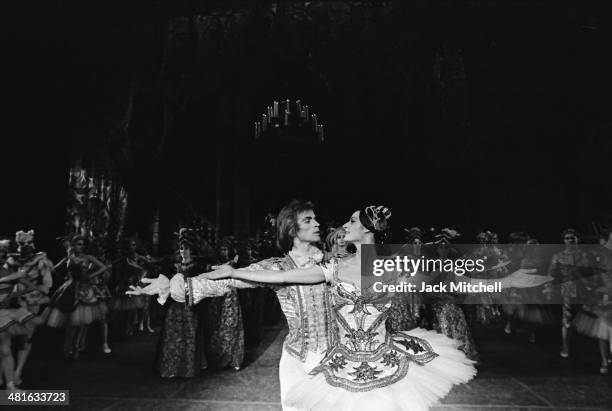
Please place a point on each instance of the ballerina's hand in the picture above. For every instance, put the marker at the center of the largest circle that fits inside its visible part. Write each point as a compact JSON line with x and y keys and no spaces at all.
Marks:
{"x":524,"y":278}
{"x":221,"y":271}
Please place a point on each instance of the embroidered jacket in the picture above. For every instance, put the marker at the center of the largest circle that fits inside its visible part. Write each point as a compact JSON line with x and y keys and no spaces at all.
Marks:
{"x":306,"y":307}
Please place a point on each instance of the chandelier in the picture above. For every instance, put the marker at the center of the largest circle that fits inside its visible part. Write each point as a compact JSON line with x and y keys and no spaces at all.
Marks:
{"x":289,"y":118}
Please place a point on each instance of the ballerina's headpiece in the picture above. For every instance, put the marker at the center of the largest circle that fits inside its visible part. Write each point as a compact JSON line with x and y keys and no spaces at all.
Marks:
{"x":376,"y":217}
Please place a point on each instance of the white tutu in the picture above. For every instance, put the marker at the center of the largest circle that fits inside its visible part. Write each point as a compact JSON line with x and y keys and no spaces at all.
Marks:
{"x":422,"y":386}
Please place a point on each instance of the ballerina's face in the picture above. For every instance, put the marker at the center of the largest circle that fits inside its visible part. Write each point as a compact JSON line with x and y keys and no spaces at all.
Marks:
{"x":355,"y":231}
{"x":308,"y":227}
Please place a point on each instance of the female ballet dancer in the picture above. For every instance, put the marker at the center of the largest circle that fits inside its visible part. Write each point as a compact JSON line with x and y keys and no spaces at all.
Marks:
{"x":595,"y":320}
{"x":88,"y":308}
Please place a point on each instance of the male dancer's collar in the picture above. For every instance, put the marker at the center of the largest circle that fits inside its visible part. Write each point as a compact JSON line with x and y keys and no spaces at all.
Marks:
{"x":312,"y":255}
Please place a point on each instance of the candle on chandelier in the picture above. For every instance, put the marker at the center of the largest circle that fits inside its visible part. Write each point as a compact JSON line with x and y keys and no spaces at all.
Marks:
{"x":314,"y":122}
{"x":264,"y":122}
{"x":286,"y":118}
{"x":288,"y":103}
{"x":256,"y":130}
{"x":299,"y":107}
{"x":306,"y":116}
{"x":321,"y":135}
{"x":270,"y":112}
{"x":276,"y":109}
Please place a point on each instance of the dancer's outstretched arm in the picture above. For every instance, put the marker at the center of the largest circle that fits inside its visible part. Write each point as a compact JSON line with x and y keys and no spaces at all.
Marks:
{"x":309,"y":275}
{"x":195,"y":289}
{"x":522,"y":278}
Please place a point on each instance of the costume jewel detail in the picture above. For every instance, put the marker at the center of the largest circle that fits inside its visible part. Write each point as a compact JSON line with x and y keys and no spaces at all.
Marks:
{"x":391,"y":359}
{"x":337,"y":362}
{"x":365,"y":372}
{"x":412,"y":345}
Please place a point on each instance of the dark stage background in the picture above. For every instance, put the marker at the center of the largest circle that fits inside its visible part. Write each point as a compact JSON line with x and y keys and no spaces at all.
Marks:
{"x":469,"y":114}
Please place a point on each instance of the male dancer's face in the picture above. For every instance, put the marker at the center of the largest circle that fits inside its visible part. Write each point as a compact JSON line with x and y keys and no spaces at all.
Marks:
{"x":308,"y":227}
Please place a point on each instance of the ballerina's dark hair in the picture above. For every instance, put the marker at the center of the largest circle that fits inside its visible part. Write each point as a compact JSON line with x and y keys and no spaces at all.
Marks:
{"x":376,"y":220}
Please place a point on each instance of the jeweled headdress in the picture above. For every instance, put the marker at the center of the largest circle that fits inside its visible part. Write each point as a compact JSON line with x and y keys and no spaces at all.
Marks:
{"x":378,"y":217}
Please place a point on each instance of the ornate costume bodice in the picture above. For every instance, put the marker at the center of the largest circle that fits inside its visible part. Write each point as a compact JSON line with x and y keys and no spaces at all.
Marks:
{"x":306,"y":307}
{"x":37,"y":271}
{"x":365,"y":356}
{"x":79,"y":267}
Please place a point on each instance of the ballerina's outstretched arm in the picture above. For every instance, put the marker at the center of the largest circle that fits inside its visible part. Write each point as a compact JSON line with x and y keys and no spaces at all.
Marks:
{"x":309,"y":275}
{"x":522,"y":278}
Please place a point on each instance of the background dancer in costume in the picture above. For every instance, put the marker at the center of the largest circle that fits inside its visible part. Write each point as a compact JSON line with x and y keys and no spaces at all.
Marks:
{"x":481,"y":307}
{"x":251,"y":299}
{"x":533,"y":315}
{"x":570,"y":268}
{"x":595,"y":320}
{"x":443,"y":314}
{"x":126,"y":308}
{"x":181,"y":350}
{"x":335,"y":244}
{"x":34,"y":273}
{"x":408,"y":309}
{"x":103,"y":295}
{"x":88,"y":309}
{"x":13,"y":319}
{"x":224,"y":326}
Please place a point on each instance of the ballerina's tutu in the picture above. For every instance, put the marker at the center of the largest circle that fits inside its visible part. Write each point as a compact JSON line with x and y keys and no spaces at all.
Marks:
{"x":369,"y":368}
{"x":86,"y":314}
{"x":83,"y":314}
{"x":14,"y":321}
{"x":596,"y":323}
{"x":422,"y":385}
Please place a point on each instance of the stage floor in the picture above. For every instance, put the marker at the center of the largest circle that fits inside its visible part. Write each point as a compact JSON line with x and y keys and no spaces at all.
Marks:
{"x":514,"y":375}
